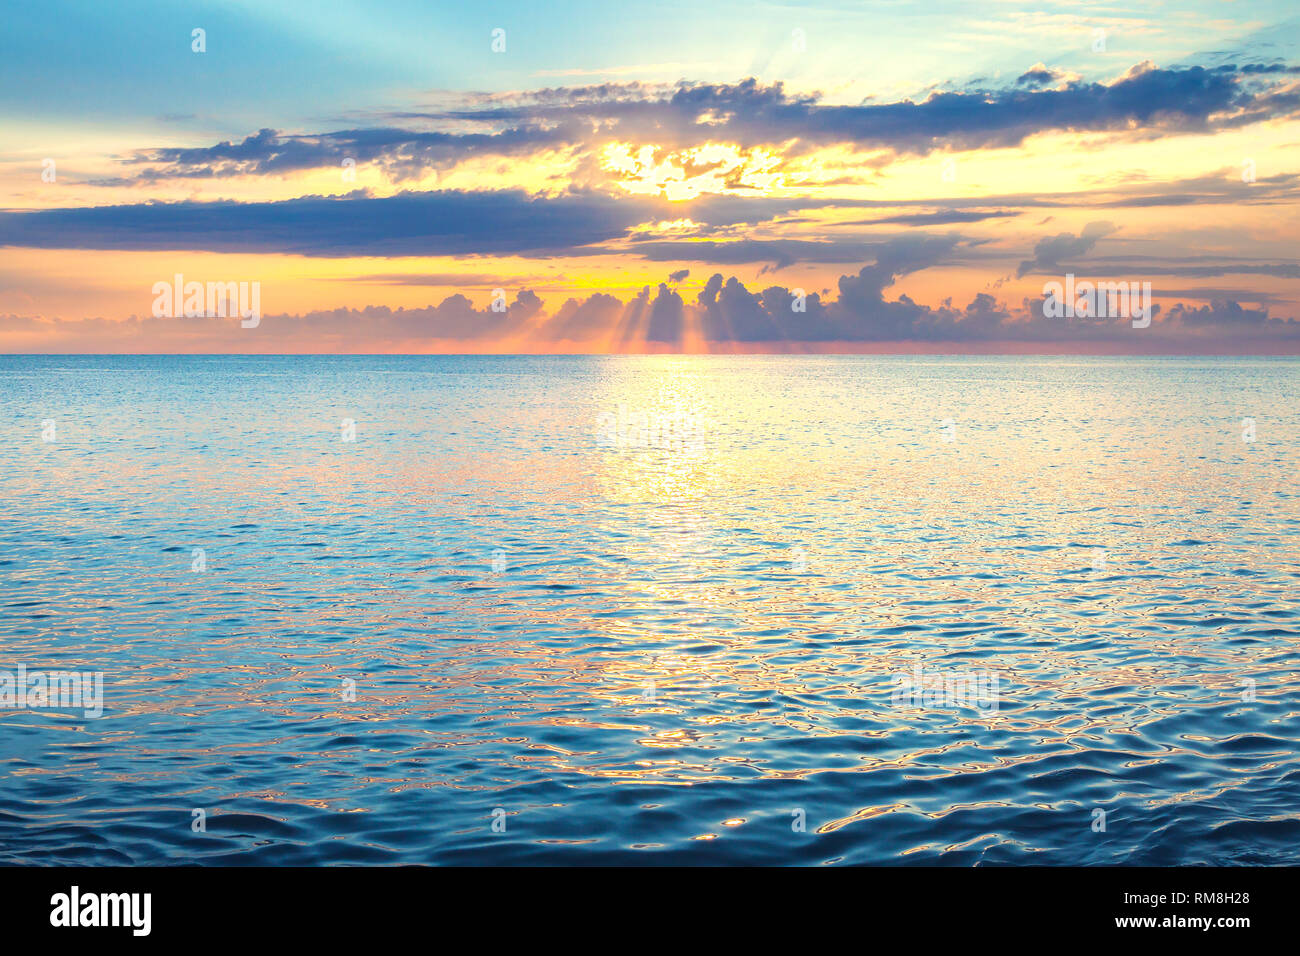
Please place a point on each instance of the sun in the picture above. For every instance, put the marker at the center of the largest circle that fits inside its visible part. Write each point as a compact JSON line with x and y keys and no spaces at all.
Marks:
{"x":680,"y":175}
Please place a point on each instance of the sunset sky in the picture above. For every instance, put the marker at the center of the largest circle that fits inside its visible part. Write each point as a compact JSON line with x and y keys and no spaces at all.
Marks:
{"x":650,"y":177}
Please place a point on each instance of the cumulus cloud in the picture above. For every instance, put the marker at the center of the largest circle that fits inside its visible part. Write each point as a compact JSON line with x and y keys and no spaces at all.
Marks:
{"x":723,"y":314}
{"x":1220,"y":313}
{"x":1036,"y":75}
{"x":1050,"y":251}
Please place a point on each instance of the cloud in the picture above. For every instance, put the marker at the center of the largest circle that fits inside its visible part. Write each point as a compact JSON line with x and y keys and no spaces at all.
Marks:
{"x":938,"y":218}
{"x":1192,"y":267}
{"x":749,"y":113}
{"x":402,"y":153}
{"x":1145,"y":101}
{"x":448,"y":222}
{"x":1220,"y":313}
{"x":1049,"y":252}
{"x":439,"y":223}
{"x":667,"y":317}
{"x":725,"y":314}
{"x":585,"y":320}
{"x":1039,"y":75}
{"x":1212,"y":294}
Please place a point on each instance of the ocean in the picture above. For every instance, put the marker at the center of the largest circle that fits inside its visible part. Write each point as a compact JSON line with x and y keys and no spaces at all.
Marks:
{"x":797,"y":610}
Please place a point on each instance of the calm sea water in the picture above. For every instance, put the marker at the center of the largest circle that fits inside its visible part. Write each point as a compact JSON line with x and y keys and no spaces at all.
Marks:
{"x":652,"y":610}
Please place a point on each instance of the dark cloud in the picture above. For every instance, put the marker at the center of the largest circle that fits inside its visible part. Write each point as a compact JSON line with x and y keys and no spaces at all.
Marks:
{"x":439,"y":223}
{"x":378,"y":328}
{"x":580,"y":223}
{"x":1037,"y":76}
{"x":667,"y":317}
{"x":1210,"y":295}
{"x":511,"y":222}
{"x":1192,"y":267}
{"x":1265,"y":68}
{"x":1219,"y":187}
{"x":734,"y":314}
{"x":401,"y":153}
{"x":751,"y":114}
{"x":861,"y":313}
{"x":408,"y":224}
{"x":725,"y":313}
{"x":1145,"y":101}
{"x":579,"y":321}
{"x":1049,"y":252}
{"x":1220,"y":313}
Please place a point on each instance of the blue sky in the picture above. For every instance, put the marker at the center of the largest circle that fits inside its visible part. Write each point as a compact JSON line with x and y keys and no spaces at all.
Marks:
{"x":295,"y":62}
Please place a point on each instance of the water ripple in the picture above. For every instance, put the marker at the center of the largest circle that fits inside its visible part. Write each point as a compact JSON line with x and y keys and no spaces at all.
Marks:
{"x":481,"y":634}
